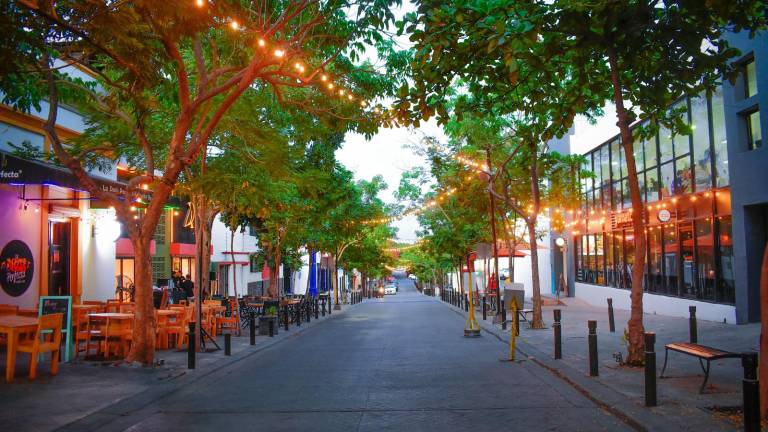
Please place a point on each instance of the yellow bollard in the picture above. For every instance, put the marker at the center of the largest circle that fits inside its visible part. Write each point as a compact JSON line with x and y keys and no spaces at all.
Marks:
{"x":471,"y":328}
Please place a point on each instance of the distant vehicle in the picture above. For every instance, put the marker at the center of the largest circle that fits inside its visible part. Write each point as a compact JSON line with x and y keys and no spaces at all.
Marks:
{"x":412,"y":277}
{"x":390,"y":289}
{"x":379,"y":293}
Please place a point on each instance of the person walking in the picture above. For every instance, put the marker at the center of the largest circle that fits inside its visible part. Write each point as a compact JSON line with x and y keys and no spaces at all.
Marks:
{"x":188,"y":286}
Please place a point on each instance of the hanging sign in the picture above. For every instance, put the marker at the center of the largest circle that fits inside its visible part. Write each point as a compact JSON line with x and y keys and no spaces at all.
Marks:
{"x":621,"y":220}
{"x":17,"y":266}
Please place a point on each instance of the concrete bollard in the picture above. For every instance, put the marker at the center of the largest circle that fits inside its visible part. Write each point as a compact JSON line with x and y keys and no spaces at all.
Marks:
{"x":592,"y":340}
{"x":485,"y":309}
{"x":252,"y":327}
{"x":191,"y":347}
{"x":227,"y":344}
{"x":751,"y":392}
{"x":611,"y":322}
{"x":692,"y":327}
{"x":650,"y":369}
{"x":558,"y":334}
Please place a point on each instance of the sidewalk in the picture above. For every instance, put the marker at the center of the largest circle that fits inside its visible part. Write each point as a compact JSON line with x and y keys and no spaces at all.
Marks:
{"x":87,"y":394}
{"x":620,"y":389}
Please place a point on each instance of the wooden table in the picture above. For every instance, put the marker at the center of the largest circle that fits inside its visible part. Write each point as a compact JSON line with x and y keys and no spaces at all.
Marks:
{"x":13,"y":326}
{"x":168,"y":312}
{"x":110,"y":316}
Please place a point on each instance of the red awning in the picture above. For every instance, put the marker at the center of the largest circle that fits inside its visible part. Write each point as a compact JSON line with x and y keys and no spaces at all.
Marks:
{"x":124,"y":247}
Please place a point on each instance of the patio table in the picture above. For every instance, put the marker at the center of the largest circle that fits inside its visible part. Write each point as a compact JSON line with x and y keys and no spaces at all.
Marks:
{"x":13,"y":326}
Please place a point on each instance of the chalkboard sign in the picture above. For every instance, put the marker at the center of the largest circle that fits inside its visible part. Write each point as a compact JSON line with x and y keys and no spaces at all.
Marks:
{"x":63,"y":305}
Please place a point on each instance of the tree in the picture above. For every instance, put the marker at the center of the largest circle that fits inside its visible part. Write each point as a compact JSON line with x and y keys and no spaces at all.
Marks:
{"x":167,"y":73}
{"x":649,"y":54}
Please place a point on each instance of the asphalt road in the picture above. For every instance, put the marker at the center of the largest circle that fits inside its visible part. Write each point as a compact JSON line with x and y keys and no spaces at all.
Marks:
{"x":399,"y":363}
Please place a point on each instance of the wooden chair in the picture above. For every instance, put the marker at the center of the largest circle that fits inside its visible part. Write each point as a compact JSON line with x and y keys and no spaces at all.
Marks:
{"x":164,"y":299}
{"x":94,"y":332}
{"x":180,"y":327}
{"x":94,"y":303}
{"x":231,"y":322}
{"x":127,"y":307}
{"x":47,"y":338}
{"x":117,"y":336}
{"x":113,"y":305}
{"x":81,"y":330}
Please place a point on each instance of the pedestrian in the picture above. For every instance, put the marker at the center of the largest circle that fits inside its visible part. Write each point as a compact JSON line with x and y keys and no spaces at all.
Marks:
{"x":188,"y":286}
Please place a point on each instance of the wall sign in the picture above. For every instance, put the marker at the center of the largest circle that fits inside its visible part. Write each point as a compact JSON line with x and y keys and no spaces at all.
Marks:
{"x":17,"y":266}
{"x":664,"y":215}
{"x":59,"y":304}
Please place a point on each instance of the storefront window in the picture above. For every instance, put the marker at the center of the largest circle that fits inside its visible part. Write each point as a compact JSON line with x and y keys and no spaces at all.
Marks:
{"x":655,"y":282}
{"x":605,"y":166}
{"x":616,"y":195}
{"x":705,"y":259}
{"x":683,"y":179}
{"x":720,"y":141}
{"x":590,"y":258}
{"x":626,"y":199}
{"x":185,"y":265}
{"x":610,"y":272}
{"x":665,"y":144}
{"x":667,"y":181}
{"x":682,"y":143}
{"x":686,"y":260}
{"x":618,"y":253}
{"x":615,"y":172}
{"x":726,"y":287}
{"x":578,"y":252}
{"x":701,"y":149}
{"x":669,"y":238}
{"x":652,"y":185}
{"x":651,"y":158}
{"x":629,"y":260}
{"x":600,"y":259}
{"x":124,"y":274}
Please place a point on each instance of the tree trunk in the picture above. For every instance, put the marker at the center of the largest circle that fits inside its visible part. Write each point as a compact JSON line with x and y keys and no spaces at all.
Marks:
{"x":363,"y":284}
{"x":763,"y":369}
{"x":204,"y":216}
{"x":537,"y":322}
{"x":234,"y":274}
{"x":635,"y":345}
{"x":272,"y":291}
{"x":144,"y":325}
{"x":335,"y":281}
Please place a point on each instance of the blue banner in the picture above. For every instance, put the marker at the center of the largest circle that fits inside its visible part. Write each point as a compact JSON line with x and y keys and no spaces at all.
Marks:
{"x":313,"y":274}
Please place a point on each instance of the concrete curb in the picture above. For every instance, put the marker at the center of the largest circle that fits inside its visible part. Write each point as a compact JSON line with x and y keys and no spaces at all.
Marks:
{"x":109,"y":417}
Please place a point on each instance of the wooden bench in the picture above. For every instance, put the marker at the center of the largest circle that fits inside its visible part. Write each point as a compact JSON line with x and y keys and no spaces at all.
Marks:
{"x":701,"y":352}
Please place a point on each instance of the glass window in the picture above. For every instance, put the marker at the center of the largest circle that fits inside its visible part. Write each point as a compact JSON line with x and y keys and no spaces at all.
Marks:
{"x":605,"y":165}
{"x":655,"y":282}
{"x":651,"y":158}
{"x":754,"y":134}
{"x":637,"y":144}
{"x":686,"y":260}
{"x":622,"y":162}
{"x":615,"y":173}
{"x":618,"y":253}
{"x":667,"y":180}
{"x":616,"y":195}
{"x":665,"y":144}
{"x":589,"y":258}
{"x":579,"y":258}
{"x":669,"y":238}
{"x":683,"y":178}
{"x":599,"y":259}
{"x":701,"y":147}
{"x":749,"y":75}
{"x":629,"y":258}
{"x":720,"y":142}
{"x":682,"y":143}
{"x":626,"y":199}
{"x":610,"y":271}
{"x":652,"y":185}
{"x":705,"y":259}
{"x":726,"y":287}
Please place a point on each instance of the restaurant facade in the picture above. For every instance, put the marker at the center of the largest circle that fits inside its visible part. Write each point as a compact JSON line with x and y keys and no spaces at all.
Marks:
{"x":705,"y":198}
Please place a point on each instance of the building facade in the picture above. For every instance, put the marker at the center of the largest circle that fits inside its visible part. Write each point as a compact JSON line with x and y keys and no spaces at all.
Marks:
{"x":704,"y":196}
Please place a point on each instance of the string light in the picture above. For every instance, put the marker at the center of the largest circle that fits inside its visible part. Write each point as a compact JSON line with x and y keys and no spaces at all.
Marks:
{"x":200,"y":3}
{"x":279,"y":53}
{"x":262,"y":43}
{"x":235,"y":25}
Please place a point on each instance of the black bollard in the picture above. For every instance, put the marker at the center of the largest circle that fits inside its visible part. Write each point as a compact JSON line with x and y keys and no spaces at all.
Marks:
{"x":308,"y":310}
{"x":330,"y":303}
{"x":558,"y":334}
{"x":252,"y":327}
{"x":191,"y":347}
{"x":485,"y":309}
{"x":503,"y":316}
{"x":466,"y":303}
{"x":227,"y":344}
{"x":650,"y":369}
{"x":692,"y":328}
{"x":286,"y":316}
{"x":592,"y":326}
{"x":298,"y":314}
{"x":271,"y":328}
{"x":611,"y":322}
{"x":317,"y":308}
{"x":323,"y":308}
{"x":751,"y":392}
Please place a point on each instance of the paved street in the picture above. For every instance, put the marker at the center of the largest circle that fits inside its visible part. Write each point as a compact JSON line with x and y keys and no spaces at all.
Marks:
{"x":393,"y":364}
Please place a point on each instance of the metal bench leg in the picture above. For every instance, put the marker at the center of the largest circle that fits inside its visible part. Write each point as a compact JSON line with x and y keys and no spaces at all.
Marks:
{"x":666,"y":355}
{"x":706,"y":377}
{"x":701,"y":363}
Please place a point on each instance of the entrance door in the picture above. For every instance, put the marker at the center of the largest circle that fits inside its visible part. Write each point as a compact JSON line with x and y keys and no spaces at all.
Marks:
{"x":58,"y":258}
{"x":224,"y":280}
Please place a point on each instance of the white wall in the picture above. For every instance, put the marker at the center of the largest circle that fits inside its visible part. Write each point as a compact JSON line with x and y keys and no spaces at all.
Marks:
{"x":656,"y":304}
{"x":98,"y":251}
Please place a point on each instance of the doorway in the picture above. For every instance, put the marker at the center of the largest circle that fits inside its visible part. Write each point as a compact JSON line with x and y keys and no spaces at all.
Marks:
{"x":58,"y":257}
{"x":224,"y":280}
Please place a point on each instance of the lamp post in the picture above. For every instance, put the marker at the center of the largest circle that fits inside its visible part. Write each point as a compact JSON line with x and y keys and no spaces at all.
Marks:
{"x":563,"y":245}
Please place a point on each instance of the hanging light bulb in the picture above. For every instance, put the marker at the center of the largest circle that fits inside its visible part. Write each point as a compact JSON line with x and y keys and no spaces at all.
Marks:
{"x":200,"y":3}
{"x":279,"y":53}
{"x":262,"y":43}
{"x":234,"y":24}
{"x":341,"y":92}
{"x":330,"y":86}
{"x":350,"y":97}
{"x":363,"y":104}
{"x":323,"y":77}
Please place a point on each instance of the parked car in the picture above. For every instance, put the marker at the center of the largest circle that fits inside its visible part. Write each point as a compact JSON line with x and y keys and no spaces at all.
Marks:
{"x":390,"y":289}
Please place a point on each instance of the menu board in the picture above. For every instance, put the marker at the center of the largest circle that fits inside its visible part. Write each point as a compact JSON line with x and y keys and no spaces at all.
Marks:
{"x":59,"y":304}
